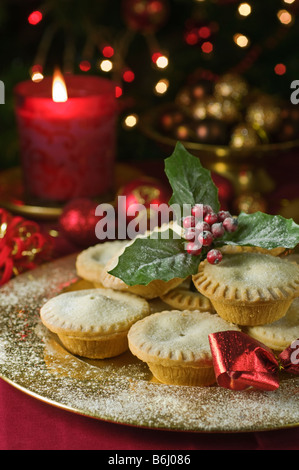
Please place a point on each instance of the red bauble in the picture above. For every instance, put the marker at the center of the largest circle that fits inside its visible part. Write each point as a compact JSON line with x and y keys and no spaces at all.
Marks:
{"x":78,"y":222}
{"x":145,"y":16}
{"x":145,"y":191}
{"x":225,"y":190}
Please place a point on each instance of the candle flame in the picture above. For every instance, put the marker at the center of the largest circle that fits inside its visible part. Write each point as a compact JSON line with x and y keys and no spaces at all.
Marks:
{"x":59,"y":90}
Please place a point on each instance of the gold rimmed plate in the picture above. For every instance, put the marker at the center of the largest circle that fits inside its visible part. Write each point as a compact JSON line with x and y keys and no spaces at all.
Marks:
{"x":120,"y":390}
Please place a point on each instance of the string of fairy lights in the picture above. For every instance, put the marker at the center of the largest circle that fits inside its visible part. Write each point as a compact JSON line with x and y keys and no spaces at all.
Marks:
{"x":112,"y":56}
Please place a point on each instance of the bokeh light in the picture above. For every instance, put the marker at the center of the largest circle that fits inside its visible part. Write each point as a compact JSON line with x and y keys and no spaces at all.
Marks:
{"x":207,"y":47}
{"x":162,"y":86}
{"x":85,"y":66}
{"x":284,"y":17}
{"x":108,"y":51}
{"x":131,"y":121}
{"x":280,"y":69}
{"x":244,"y":9}
{"x":35,"y":17}
{"x":241,"y":40}
{"x":106,"y":65}
{"x":128,"y":76}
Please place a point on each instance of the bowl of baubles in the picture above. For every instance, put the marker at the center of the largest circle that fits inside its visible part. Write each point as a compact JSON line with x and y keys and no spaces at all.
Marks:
{"x":235,"y":129}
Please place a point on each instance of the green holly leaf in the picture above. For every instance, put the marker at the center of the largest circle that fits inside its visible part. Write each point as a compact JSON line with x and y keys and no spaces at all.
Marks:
{"x":264,"y":231}
{"x":147,"y":259}
{"x":161,"y":257}
{"x":190,"y":181}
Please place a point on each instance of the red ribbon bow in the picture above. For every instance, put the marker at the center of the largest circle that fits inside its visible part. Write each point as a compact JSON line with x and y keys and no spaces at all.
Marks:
{"x":22,"y":245}
{"x":241,"y":362}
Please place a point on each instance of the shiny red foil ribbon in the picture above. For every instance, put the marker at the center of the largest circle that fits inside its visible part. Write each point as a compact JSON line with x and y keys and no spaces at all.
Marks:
{"x":242,"y":362}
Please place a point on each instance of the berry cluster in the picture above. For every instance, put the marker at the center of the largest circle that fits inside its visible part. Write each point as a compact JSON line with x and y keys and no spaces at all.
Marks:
{"x":203,"y":227}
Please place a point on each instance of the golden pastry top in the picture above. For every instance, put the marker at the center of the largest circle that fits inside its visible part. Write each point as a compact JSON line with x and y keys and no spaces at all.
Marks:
{"x":249,"y":277}
{"x":176,"y":337}
{"x":93,"y":312}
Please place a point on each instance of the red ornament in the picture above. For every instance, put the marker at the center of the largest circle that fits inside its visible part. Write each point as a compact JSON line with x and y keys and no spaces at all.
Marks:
{"x":78,"y":222}
{"x":225,"y":190}
{"x":22,"y":246}
{"x":145,"y":16}
{"x":145,"y":191}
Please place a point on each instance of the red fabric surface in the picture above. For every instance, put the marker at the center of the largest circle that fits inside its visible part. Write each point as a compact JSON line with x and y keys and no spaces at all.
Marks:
{"x":29,"y":424}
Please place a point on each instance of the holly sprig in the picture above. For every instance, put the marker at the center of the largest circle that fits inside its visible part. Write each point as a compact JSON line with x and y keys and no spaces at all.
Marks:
{"x":162,"y":257}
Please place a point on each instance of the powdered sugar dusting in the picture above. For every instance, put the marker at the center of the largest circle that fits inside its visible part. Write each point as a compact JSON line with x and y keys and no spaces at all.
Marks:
{"x":121,"y":390}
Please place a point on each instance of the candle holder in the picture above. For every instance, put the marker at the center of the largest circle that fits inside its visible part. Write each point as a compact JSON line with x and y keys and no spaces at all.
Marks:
{"x":67,"y":148}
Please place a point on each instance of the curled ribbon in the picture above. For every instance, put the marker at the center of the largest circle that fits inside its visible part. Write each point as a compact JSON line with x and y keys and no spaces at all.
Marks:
{"x":241,"y":362}
{"x":22,"y":246}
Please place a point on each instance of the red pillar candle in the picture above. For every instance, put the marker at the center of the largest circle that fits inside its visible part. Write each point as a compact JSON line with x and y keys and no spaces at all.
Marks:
{"x":67,"y":148}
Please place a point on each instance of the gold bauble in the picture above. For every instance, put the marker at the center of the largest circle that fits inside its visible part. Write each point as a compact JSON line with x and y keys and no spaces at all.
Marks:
{"x":231,"y":86}
{"x":212,"y":107}
{"x":199,"y":110}
{"x":244,"y":136}
{"x":183,"y":132}
{"x":229,"y":111}
{"x":183,"y":98}
{"x":265,"y":114}
{"x":250,"y":203}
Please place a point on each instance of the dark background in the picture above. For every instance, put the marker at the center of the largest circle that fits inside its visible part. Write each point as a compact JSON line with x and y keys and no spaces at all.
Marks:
{"x":270,"y":43}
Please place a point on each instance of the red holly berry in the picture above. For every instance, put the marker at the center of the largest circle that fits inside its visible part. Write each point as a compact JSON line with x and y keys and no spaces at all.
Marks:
{"x":190,"y":234}
{"x":217,"y":230}
{"x":207,"y":210}
{"x":194,"y":248}
{"x":230,"y":224}
{"x":211,"y":218}
{"x":189,"y":221}
{"x":202,"y":226}
{"x":223,"y":215}
{"x":197,"y":211}
{"x":205,"y":238}
{"x":214,"y":256}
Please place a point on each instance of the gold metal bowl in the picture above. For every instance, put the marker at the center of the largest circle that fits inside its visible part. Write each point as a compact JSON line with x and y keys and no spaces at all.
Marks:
{"x":245,"y":168}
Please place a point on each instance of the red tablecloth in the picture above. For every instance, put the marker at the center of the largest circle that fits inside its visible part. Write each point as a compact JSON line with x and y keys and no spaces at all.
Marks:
{"x":29,"y":424}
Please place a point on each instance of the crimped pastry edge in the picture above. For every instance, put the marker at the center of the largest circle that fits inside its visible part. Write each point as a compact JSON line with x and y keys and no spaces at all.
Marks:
{"x":214,"y":290}
{"x":280,"y":335}
{"x":277,"y":344}
{"x":54,"y":321}
{"x":182,"y":299}
{"x":150,"y":353}
{"x":90,"y":269}
{"x":152,"y":290}
{"x":234,"y":249}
